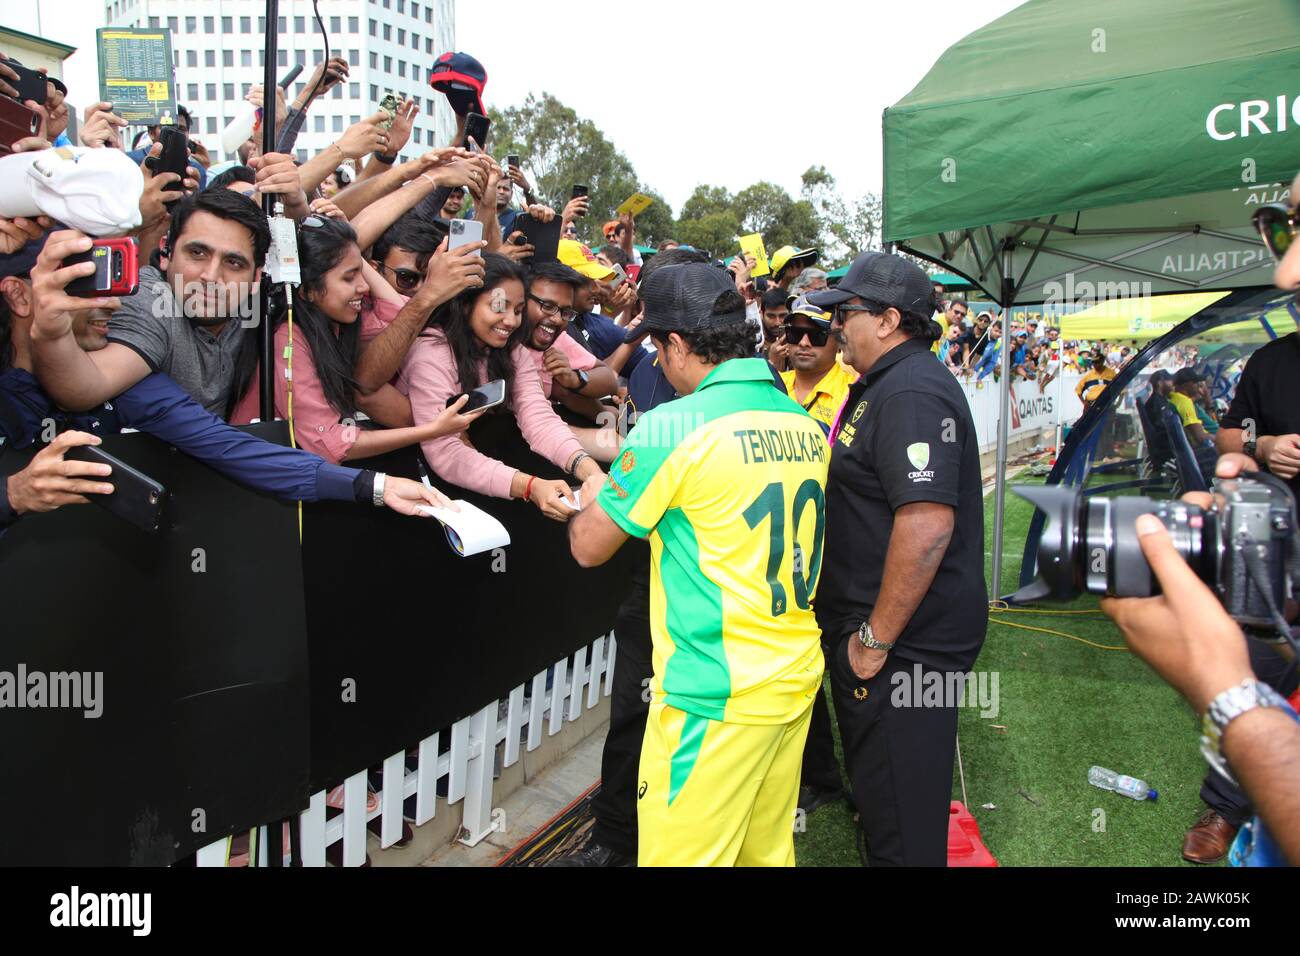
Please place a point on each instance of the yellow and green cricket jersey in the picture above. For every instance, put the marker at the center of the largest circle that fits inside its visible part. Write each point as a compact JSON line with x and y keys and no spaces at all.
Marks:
{"x":728,"y":483}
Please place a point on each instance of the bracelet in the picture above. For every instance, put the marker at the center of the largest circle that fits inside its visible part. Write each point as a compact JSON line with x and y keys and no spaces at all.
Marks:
{"x":528,"y":489}
{"x":577,"y":460}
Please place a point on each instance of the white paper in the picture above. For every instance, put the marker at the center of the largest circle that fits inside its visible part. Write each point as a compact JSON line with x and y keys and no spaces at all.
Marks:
{"x":470,"y":530}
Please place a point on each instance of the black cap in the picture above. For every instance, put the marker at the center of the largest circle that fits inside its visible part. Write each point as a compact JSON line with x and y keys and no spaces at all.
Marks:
{"x":1185,"y":376}
{"x":680,"y":298}
{"x":884,"y":278}
{"x":1158,"y":376}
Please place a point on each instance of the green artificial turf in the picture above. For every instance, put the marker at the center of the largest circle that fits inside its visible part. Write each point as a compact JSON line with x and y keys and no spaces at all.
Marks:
{"x":1063,"y":706}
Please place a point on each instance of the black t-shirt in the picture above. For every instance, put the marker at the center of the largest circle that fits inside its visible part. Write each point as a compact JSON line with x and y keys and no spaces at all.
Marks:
{"x":1160,"y":451}
{"x":906,"y":434}
{"x":976,"y":342}
{"x":1269,"y":393}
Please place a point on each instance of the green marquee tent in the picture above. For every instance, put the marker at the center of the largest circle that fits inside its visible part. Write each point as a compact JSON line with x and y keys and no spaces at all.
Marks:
{"x":1095,"y":150}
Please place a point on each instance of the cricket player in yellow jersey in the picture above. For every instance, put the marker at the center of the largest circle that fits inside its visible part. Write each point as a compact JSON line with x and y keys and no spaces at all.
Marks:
{"x":728,"y":483}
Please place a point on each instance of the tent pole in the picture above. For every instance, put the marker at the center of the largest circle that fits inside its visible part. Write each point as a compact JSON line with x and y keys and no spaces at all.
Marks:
{"x":1004,"y":418}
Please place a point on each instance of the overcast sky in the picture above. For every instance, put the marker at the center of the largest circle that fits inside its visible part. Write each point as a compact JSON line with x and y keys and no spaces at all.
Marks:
{"x":692,"y":91}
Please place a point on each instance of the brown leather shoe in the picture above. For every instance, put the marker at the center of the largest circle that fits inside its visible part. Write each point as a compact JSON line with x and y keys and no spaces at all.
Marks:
{"x":1208,"y":839}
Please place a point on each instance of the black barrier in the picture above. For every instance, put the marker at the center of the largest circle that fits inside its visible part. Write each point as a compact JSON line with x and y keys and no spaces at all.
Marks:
{"x":406,"y":637}
{"x":200,"y":636}
{"x":206,"y":703}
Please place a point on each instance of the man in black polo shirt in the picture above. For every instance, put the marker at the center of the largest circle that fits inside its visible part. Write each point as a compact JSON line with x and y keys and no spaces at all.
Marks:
{"x":902,"y":601}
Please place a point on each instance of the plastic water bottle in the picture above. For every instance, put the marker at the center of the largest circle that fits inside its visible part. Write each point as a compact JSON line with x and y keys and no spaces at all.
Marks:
{"x":1131,"y":787}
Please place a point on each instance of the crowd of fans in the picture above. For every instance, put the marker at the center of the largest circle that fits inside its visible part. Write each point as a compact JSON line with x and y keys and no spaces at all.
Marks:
{"x":392,"y":324}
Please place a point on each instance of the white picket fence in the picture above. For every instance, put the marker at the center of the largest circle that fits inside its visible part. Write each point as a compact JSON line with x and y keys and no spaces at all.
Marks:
{"x":468,"y":765}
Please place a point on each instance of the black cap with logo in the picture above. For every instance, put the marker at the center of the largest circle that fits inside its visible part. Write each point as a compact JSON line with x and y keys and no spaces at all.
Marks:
{"x":884,"y":278}
{"x":680,"y":298}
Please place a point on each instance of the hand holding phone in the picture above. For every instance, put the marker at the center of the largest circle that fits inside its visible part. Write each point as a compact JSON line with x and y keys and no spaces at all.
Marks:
{"x":117,"y":270}
{"x":485,"y":396}
{"x":462,"y":232}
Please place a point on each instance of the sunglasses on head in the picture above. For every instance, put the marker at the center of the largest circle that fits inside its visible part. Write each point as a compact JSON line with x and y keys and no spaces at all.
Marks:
{"x":405,"y":279}
{"x":794,"y":335}
{"x":1276,"y":225}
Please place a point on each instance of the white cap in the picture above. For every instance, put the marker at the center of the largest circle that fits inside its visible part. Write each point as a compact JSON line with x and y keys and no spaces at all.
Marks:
{"x":96,"y":191}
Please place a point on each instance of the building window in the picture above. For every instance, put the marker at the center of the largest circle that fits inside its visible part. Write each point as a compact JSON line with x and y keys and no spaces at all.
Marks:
{"x":401,"y":68}
{"x":191,"y":24}
{"x":372,"y":28}
{"x":281,"y":24}
{"x":354,"y":57}
{"x":374,"y":93}
{"x":354,"y":25}
{"x":212,"y":124}
{"x":319,"y":123}
{"x":227,"y":24}
{"x":300,"y":57}
{"x":401,"y":6}
{"x":154,"y":23}
{"x":261,"y":24}
{"x":228,"y":91}
{"x":354,"y":91}
{"x":337,"y":92}
{"x":428,"y":14}
{"x":174,"y":24}
{"x":428,"y":107}
{"x":227,"y":57}
{"x":374,"y":60}
{"x":388,"y":64}
{"x":401,"y":38}
{"x":415,"y":43}
{"x":209,"y":57}
{"x":388,"y":31}
{"x":302,"y":155}
{"x":415,"y":10}
{"x":191,"y":57}
{"x":354,"y":120}
{"x":245,"y":57}
{"x":317,"y":57}
{"x":245,"y":24}
{"x":192,"y":91}
{"x":428,"y":45}
{"x":338,"y":124}
{"x":282,"y":56}
{"x":299,"y":24}
{"x":210,"y":91}
{"x":261,"y":58}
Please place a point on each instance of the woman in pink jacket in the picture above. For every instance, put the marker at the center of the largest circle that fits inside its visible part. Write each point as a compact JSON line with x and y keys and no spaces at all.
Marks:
{"x":340,"y":297}
{"x":476,"y":338}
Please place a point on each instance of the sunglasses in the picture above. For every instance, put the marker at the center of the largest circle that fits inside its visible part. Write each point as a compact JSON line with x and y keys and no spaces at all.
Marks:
{"x":553,"y":308}
{"x":1276,"y":225}
{"x":406,"y":279}
{"x":816,"y":337}
{"x":844,"y":310}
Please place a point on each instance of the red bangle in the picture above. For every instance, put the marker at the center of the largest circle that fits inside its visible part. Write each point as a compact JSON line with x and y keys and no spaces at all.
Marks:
{"x":528,"y":489}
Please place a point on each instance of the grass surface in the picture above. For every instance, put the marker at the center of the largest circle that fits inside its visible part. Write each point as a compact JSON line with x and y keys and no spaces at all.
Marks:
{"x":1063,"y":707}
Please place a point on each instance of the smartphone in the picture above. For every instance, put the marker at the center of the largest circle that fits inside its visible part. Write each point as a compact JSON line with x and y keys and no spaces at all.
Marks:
{"x":476,"y":128}
{"x":620,"y":276}
{"x":16,"y":122}
{"x":485,"y":396}
{"x":544,"y":236}
{"x":31,"y":85}
{"x":175,"y":155}
{"x":136,"y":497}
{"x":461,"y":232}
{"x":117,"y":270}
{"x":512,"y":160}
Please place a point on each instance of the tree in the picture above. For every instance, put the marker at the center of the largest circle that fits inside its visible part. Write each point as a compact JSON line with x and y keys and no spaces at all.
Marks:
{"x":848,"y":227}
{"x":561,"y":149}
{"x":713,"y":219}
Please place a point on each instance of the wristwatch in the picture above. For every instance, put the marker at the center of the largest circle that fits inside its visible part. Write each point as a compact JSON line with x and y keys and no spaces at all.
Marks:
{"x":868,"y":639}
{"x":583,"y":379}
{"x":377,"y":494}
{"x":1227,"y":707}
{"x":1250,"y":447}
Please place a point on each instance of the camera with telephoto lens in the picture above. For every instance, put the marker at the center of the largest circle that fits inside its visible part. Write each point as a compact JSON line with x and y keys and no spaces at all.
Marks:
{"x":1244,"y":547}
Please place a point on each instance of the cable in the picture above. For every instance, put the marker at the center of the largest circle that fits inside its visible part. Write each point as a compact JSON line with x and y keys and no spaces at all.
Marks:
{"x":315,"y":7}
{"x":1045,"y":630}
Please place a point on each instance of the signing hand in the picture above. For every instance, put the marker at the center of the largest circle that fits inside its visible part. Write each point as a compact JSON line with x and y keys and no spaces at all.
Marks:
{"x":551,"y":497}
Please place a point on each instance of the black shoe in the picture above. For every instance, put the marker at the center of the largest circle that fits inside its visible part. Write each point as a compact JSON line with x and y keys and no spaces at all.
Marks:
{"x":811,"y":799}
{"x":593,"y":854}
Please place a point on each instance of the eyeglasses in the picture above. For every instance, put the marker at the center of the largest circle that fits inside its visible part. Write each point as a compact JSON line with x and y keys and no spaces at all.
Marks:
{"x":816,"y":337}
{"x":407,"y":279}
{"x":843,"y":310}
{"x":1276,"y":225}
{"x":553,"y":308}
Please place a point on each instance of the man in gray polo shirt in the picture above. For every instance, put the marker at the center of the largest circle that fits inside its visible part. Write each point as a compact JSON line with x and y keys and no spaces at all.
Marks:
{"x":186,"y":321}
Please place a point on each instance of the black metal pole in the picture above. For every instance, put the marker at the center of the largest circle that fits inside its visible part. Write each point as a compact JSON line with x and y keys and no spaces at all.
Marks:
{"x":266,"y":379}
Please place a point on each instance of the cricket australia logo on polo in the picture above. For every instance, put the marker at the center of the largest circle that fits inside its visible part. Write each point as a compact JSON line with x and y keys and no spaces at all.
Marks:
{"x":919,"y":455}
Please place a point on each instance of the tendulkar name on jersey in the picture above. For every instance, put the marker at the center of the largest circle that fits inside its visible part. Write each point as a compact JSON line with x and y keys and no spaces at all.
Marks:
{"x":736,"y":515}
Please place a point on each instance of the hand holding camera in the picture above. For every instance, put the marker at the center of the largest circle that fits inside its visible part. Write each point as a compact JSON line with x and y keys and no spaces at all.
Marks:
{"x":52,"y":303}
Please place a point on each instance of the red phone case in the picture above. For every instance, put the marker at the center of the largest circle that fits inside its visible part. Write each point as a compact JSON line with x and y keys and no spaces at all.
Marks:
{"x":124,"y":283}
{"x":16,"y":122}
